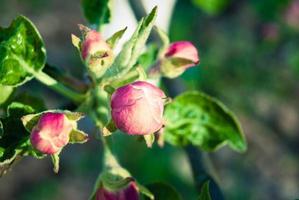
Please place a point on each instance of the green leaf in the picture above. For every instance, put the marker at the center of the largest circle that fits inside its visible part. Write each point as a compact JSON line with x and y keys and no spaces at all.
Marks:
{"x":28,"y":99}
{"x":163,"y":191}
{"x":112,"y":41}
{"x":22,"y":52}
{"x":148,"y":58}
{"x":96,"y":11}
{"x":205,"y":192}
{"x":132,"y":49}
{"x":198,"y":119}
{"x":212,"y":7}
{"x":14,"y":141}
{"x":6,"y":92}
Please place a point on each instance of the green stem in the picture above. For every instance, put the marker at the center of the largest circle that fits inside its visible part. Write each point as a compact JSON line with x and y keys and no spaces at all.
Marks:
{"x":58,"y":87}
{"x":52,"y":83}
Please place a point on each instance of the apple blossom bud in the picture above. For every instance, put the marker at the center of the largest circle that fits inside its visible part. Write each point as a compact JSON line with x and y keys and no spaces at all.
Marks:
{"x":137,"y":108}
{"x":51,"y":133}
{"x":128,"y":193}
{"x":292,"y":14}
{"x":96,"y":53}
{"x":178,"y":57}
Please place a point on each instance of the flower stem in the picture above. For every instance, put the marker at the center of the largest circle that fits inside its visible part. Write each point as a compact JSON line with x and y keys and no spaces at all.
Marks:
{"x":52,"y":83}
{"x":58,"y":87}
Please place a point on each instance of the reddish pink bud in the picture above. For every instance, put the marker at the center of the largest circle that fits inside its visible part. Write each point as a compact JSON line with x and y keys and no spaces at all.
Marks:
{"x":292,"y":14}
{"x":137,"y":108}
{"x":128,"y":193}
{"x":51,"y":133}
{"x":93,"y":43}
{"x":185,"y":50}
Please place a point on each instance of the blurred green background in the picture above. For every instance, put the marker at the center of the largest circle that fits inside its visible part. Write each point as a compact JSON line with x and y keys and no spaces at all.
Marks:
{"x":249,"y":51}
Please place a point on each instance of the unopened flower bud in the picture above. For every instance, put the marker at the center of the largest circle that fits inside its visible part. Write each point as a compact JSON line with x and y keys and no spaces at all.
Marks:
{"x":292,"y":14}
{"x":51,"y":133}
{"x":178,"y":57}
{"x":130,"y":192}
{"x":96,"y":53}
{"x":137,"y":108}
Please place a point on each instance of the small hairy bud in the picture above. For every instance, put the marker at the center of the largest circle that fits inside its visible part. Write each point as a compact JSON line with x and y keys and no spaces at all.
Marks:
{"x":137,"y":108}
{"x":96,"y":53}
{"x":130,"y":192}
{"x":178,"y":57}
{"x":51,"y":133}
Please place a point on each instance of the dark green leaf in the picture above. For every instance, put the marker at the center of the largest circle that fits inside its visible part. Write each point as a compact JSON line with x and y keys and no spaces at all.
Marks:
{"x":163,"y":191}
{"x":132,"y":49}
{"x":22,"y":52}
{"x":205,"y":192}
{"x":195,"y":118}
{"x":15,"y":139}
{"x":211,"y":7}
{"x":35,"y":102}
{"x":96,"y":11}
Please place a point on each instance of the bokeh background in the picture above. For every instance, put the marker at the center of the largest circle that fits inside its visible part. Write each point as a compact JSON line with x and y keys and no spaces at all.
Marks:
{"x":249,"y":53}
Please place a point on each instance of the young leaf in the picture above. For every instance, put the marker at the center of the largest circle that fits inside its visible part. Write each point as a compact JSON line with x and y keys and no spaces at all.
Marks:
{"x":112,"y":41}
{"x":198,"y":119}
{"x":205,"y":192}
{"x":132,"y":49}
{"x":163,"y":191}
{"x":22,"y":52}
{"x":96,"y":11}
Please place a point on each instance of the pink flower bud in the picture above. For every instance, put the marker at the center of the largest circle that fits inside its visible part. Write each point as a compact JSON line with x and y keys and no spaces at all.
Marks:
{"x":51,"y":133}
{"x":185,"y":50}
{"x":93,"y":43}
{"x":128,"y":193}
{"x":178,"y":57}
{"x":292,"y":14}
{"x":137,"y":108}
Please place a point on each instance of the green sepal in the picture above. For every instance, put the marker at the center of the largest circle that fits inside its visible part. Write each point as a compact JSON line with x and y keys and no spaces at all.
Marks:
{"x":149,"y":140}
{"x":109,"y":129}
{"x":113,"y":40}
{"x":131,"y":50}
{"x":55,"y":160}
{"x":76,"y":41}
{"x":77,"y":136}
